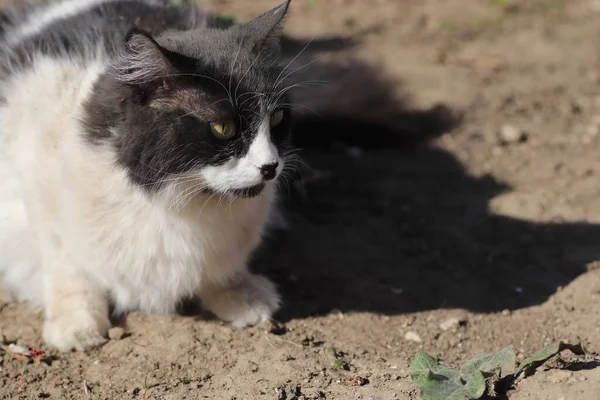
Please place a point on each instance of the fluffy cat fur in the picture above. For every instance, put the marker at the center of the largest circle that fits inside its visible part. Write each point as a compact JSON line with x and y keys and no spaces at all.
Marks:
{"x":115,"y":190}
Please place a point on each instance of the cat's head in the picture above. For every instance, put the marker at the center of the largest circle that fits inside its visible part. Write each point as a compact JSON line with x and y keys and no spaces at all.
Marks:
{"x":205,"y":105}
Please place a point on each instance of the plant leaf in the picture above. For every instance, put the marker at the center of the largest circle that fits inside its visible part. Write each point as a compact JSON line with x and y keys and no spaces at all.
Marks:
{"x":529,"y":365}
{"x":499,"y":364}
{"x":438,"y":382}
{"x":331,"y":351}
{"x":227,"y":21}
{"x":423,"y":365}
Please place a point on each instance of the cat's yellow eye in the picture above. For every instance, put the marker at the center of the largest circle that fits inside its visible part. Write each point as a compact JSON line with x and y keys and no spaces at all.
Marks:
{"x":223,"y":129}
{"x":277,"y":118}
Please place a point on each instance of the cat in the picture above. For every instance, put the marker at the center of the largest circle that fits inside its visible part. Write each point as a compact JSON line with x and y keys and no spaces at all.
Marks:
{"x":141,"y":145}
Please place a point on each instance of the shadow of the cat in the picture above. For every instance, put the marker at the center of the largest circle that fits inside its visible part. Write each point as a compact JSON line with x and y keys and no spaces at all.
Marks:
{"x":398,"y":226}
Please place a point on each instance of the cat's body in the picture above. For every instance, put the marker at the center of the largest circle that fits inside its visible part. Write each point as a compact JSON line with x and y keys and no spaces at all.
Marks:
{"x":106,"y":194}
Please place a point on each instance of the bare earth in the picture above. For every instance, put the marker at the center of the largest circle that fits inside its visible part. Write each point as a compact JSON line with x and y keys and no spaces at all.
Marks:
{"x":495,"y":222}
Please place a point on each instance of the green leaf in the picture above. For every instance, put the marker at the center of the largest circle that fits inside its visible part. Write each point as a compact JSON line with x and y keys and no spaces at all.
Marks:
{"x":180,"y":2}
{"x":529,"y":365}
{"x":339,"y":363}
{"x":498,"y":364}
{"x":438,"y":382}
{"x":226,"y":21}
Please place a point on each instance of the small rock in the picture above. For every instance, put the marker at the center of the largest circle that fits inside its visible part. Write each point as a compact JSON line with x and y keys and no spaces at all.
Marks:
{"x":413,"y":337}
{"x":116,"y":333}
{"x":511,"y":134}
{"x":16,"y":349}
{"x":451,"y":323}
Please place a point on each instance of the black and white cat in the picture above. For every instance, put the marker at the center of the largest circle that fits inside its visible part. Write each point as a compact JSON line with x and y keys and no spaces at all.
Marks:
{"x":140,"y":146}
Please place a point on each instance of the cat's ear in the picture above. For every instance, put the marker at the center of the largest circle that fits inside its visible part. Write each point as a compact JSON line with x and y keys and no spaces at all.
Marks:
{"x":142,"y":60}
{"x":265,"y":30}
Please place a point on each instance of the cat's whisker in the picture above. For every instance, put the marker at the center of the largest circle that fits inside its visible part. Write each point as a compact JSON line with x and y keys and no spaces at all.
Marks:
{"x":233,"y":65}
{"x":210,"y":197}
{"x":302,"y":67}
{"x":256,"y":94}
{"x":256,"y":57}
{"x":302,"y":84}
{"x":293,"y":59}
{"x":297,"y":107}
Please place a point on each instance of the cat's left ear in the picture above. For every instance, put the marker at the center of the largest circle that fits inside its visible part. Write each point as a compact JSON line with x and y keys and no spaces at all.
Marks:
{"x":142,"y":59}
{"x":265,"y":30}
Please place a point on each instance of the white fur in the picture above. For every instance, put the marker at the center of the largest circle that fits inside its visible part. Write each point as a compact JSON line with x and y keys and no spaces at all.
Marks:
{"x":75,"y":234}
{"x":245,"y":172}
{"x":57,"y":10}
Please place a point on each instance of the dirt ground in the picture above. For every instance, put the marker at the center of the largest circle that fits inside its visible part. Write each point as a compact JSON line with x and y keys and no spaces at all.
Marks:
{"x":495,"y":221}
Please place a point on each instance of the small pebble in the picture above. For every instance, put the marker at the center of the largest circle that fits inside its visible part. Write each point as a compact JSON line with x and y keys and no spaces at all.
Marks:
{"x":16,"y":349}
{"x":511,"y":134}
{"x":116,"y":333}
{"x":413,"y":337}
{"x":450,"y":323}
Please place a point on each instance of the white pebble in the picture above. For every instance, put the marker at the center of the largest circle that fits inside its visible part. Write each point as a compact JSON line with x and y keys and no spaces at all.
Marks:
{"x":450,"y":323}
{"x":510,"y":133}
{"x":413,"y":337}
{"x":16,"y":349}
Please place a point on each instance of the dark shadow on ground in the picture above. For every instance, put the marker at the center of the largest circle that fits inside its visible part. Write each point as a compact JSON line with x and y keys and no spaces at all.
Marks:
{"x":399,"y":226}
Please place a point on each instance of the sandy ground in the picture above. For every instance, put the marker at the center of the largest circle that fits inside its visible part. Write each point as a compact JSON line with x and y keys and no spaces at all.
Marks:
{"x":496,"y":222}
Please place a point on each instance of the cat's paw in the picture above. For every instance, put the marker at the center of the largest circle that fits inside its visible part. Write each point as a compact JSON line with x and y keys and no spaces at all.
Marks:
{"x":79,"y":330}
{"x":249,"y":302}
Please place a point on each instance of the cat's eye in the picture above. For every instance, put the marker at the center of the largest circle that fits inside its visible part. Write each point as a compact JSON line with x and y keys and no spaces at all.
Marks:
{"x":276,"y":118}
{"x":223,"y":129}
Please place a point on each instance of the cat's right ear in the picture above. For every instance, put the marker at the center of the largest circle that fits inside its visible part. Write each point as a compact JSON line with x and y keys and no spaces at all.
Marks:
{"x":142,"y":60}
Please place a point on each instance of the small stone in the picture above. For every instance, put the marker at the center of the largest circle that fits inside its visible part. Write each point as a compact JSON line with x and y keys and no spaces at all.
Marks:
{"x":16,"y":349}
{"x":511,"y":134}
{"x":450,"y":323}
{"x":413,"y":337}
{"x":116,"y":333}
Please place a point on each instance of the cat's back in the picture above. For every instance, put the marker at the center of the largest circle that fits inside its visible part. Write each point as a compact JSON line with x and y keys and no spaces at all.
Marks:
{"x":82,"y":30}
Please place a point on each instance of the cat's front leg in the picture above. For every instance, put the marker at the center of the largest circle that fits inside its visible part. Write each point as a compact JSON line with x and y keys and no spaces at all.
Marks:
{"x":244,"y":300}
{"x":76,"y":311}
